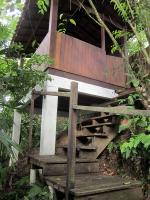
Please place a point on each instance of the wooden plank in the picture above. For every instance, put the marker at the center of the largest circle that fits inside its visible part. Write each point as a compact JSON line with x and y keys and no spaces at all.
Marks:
{"x":103,"y":117}
{"x":71,"y":154}
{"x":114,"y":110}
{"x":95,"y":184}
{"x":56,"y":159}
{"x":97,"y":125}
{"x":31,"y":121}
{"x":93,"y":135}
{"x":53,"y":26}
{"x":99,"y":189}
{"x":99,"y":66}
{"x":82,"y":147}
{"x":97,"y":118}
{"x":61,"y":169}
{"x":127,"y":194}
{"x":60,"y":94}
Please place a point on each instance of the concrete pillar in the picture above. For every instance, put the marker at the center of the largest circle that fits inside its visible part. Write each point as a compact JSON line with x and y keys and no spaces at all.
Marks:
{"x":32,"y":176}
{"x":48,"y":122}
{"x":52,"y":194}
{"x":16,"y":132}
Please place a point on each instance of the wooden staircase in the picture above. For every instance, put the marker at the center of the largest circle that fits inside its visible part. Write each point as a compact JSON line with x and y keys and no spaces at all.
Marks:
{"x":77,"y":160}
{"x":92,"y":136}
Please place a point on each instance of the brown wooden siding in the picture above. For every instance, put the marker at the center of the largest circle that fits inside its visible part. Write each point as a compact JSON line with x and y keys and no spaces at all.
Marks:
{"x":78,"y":57}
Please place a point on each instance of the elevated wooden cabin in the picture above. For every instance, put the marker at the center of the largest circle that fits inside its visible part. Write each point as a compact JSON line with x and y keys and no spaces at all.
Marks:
{"x":83,"y":54}
{"x":84,"y":51}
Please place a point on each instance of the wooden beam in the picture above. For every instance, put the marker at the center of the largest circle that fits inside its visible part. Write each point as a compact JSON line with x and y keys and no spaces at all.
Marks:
{"x":32,"y":36}
{"x":105,"y":18}
{"x":103,"y":39}
{"x":123,"y":94}
{"x":60,"y":94}
{"x":120,"y":110}
{"x":71,"y":160}
{"x":53,"y":26}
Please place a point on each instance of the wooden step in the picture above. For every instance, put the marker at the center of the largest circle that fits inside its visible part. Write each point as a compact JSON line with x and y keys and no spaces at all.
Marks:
{"x":98,"y":125}
{"x":61,"y":169}
{"x":103,"y":117}
{"x":57,"y":165}
{"x":96,"y":187}
{"x":81,"y":147}
{"x":55,"y":159}
{"x":101,"y":135}
{"x":99,"y":118}
{"x":94,"y":120}
{"x":89,"y":148}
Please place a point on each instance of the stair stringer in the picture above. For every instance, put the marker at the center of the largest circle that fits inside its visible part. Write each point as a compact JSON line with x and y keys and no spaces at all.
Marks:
{"x":102,"y":143}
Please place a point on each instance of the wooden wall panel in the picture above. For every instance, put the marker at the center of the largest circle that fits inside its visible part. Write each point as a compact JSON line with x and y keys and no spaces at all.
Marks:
{"x":78,"y":57}
{"x":114,"y":72}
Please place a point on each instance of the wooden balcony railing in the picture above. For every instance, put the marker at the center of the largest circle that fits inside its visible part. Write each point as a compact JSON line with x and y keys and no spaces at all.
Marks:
{"x":77,"y":57}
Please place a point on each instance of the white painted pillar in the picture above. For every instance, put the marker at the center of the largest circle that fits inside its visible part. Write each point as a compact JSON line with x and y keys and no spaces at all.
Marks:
{"x":16,"y":133}
{"x":49,"y":120}
{"x":32,"y":176}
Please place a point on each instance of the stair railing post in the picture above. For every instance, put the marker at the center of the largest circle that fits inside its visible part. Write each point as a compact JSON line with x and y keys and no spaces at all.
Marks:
{"x":31,"y":121}
{"x":71,"y":156}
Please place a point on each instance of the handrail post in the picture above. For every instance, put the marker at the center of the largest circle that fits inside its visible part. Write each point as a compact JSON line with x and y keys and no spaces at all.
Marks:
{"x":71,"y":159}
{"x":31,"y":121}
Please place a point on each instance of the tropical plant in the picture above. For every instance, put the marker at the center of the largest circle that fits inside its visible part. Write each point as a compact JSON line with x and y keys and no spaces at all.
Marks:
{"x":17,"y":76}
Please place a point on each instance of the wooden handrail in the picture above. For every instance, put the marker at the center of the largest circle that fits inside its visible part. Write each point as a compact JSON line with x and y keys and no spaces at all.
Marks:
{"x":120,"y":110}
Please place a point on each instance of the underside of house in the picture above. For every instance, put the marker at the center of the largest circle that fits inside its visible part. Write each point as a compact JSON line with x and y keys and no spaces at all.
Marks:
{"x":84,"y":72}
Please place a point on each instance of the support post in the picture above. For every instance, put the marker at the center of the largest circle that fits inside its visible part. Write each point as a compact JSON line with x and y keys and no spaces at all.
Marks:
{"x":48,"y":123}
{"x":16,"y":133}
{"x":31,"y":121}
{"x":103,"y":38}
{"x":32,"y":176}
{"x":53,"y":26}
{"x":71,"y":160}
{"x":127,"y":59}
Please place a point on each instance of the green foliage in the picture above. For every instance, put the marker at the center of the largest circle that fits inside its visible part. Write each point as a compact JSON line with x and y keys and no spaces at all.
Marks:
{"x":25,"y":131}
{"x":63,"y":23}
{"x":62,"y":125}
{"x":3,"y":176}
{"x":134,"y":46}
{"x":38,"y":192}
{"x":17,"y":75}
{"x":20,"y":189}
{"x":139,"y":128}
{"x":16,"y":81}
{"x":72,"y":21}
{"x":7,"y":143}
{"x":129,"y":100}
{"x":42,"y":6}
{"x":135,"y":144}
{"x":112,"y":146}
